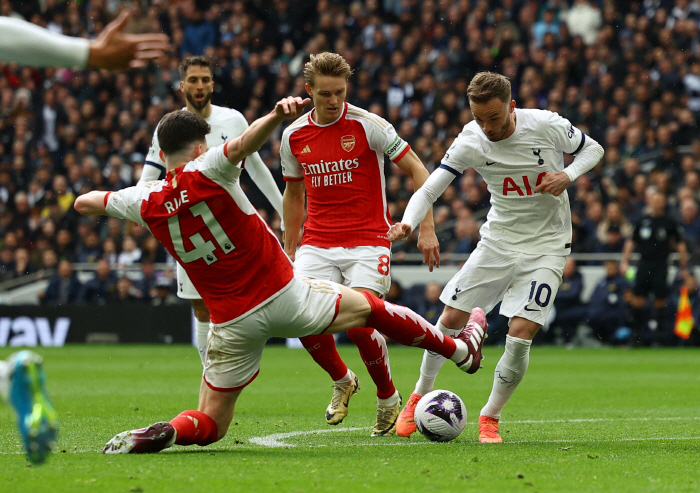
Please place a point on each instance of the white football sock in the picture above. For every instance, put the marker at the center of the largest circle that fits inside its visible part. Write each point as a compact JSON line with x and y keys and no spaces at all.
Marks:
{"x":346,"y":379}
{"x":202,"y":334}
{"x":4,"y":380}
{"x":432,"y":362}
{"x":509,"y":372}
{"x":391,"y":401}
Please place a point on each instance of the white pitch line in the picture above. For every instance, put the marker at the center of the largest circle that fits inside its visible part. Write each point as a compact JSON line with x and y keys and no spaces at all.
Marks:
{"x":276,"y":440}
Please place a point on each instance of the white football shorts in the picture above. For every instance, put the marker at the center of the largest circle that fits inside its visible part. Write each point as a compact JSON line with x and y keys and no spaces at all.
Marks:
{"x":185,"y":288}
{"x":234,"y":349}
{"x":526,"y":284}
{"x":357,"y":267}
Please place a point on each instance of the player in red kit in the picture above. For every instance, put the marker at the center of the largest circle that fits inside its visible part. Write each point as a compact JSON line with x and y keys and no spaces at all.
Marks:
{"x":203,"y":218}
{"x":335,"y":155}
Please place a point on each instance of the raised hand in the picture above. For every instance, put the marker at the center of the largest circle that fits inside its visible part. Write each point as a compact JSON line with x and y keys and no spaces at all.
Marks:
{"x":115,"y":50}
{"x":291,"y":107}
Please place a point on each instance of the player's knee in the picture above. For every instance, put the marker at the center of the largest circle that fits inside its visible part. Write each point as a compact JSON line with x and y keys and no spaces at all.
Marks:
{"x":454,"y":319}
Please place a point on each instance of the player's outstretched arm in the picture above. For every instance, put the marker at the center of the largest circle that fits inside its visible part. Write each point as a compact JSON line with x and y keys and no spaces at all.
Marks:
{"x":420,"y":203}
{"x":115,"y":50}
{"x":91,"y":204}
{"x":255,"y":136}
{"x":27,"y":44}
{"x":428,"y":243}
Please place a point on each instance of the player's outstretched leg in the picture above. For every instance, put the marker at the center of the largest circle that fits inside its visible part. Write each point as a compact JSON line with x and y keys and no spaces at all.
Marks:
{"x":188,"y":428}
{"x":410,"y":329}
{"x":474,"y":333}
{"x":37,"y":419}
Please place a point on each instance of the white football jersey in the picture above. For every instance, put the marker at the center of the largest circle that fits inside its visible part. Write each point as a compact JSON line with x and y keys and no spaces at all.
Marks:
{"x":226,"y":124}
{"x":519,"y":219}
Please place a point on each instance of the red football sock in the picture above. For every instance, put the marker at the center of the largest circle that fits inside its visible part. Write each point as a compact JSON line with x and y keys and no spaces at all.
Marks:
{"x":374,"y":354}
{"x":407,"y":327}
{"x":322,"y":349}
{"x":195,"y":427}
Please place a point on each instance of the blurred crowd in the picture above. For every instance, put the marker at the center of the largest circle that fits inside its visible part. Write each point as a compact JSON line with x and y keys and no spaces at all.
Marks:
{"x":627,"y":73}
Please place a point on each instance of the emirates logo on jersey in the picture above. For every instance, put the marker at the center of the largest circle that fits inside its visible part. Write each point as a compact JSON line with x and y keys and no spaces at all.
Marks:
{"x":347,"y":142}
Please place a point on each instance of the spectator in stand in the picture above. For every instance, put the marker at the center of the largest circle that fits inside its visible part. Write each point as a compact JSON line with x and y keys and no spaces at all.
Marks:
{"x":102,"y":288}
{"x":164,"y":295}
{"x":430,"y":307}
{"x":608,"y":313}
{"x":569,"y":310}
{"x":125,"y":292}
{"x":130,"y":254}
{"x":64,"y":287}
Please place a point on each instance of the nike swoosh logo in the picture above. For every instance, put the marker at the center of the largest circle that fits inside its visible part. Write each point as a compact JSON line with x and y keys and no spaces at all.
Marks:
{"x":530,"y":310}
{"x":489,"y":164}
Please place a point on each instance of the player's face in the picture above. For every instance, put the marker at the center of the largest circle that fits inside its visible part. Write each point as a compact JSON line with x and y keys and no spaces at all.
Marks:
{"x":495,"y":118}
{"x":198,"y":87}
{"x":329,"y":95}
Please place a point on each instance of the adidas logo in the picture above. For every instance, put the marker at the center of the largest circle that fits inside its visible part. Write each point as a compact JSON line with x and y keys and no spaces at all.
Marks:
{"x":306,"y":149}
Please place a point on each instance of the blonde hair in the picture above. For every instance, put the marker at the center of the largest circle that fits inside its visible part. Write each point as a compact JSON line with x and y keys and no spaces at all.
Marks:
{"x":326,"y":63}
{"x":488,"y":85}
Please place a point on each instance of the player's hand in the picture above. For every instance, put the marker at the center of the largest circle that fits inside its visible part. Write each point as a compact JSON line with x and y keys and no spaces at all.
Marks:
{"x":399,"y":231}
{"x":554,"y":183}
{"x":291,"y":107}
{"x":115,"y":50}
{"x":624,"y":265}
{"x":430,"y":248}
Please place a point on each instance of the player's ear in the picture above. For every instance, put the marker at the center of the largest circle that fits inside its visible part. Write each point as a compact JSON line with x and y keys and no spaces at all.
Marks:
{"x":162,"y":156}
{"x":182,"y":86}
{"x":308,"y":90}
{"x":511,"y":107}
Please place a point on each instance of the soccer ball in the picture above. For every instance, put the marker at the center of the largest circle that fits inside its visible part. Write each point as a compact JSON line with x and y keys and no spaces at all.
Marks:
{"x":440,"y":415}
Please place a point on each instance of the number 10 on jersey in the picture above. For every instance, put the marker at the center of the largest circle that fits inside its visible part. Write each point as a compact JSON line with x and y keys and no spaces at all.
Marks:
{"x":202,"y":249}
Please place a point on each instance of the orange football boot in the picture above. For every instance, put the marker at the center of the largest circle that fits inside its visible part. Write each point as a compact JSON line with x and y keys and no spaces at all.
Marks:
{"x":405,"y":426}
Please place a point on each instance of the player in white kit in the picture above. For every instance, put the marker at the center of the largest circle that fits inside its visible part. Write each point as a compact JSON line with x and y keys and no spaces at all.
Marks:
{"x":203,"y":218}
{"x":526,"y":237}
{"x":197,"y":83}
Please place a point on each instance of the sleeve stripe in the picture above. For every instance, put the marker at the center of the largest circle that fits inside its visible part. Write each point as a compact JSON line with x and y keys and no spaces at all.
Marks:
{"x":580,"y":146}
{"x":451,"y":170}
{"x":160,"y":167}
{"x":293,"y":178}
{"x":226,"y":150}
{"x":403,"y":153}
{"x":107,"y":198}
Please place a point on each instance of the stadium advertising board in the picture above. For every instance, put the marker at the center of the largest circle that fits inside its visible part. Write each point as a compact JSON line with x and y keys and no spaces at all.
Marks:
{"x":59,"y":325}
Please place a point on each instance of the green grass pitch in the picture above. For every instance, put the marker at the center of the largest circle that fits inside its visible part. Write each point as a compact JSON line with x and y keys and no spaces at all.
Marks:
{"x":582,"y":420}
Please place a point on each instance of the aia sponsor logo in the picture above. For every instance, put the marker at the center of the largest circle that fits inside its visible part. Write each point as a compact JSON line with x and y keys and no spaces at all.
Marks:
{"x":347,"y":142}
{"x":513,"y":185}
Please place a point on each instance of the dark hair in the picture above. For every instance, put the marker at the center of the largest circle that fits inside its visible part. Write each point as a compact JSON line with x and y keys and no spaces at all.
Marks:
{"x":191,"y":61}
{"x":178,"y":129}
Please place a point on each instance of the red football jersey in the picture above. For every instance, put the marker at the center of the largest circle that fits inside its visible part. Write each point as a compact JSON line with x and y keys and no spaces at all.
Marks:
{"x":342,"y":165}
{"x":203,"y":218}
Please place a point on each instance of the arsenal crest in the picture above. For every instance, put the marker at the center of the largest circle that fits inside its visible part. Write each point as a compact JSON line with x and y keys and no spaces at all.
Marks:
{"x":347,"y":142}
